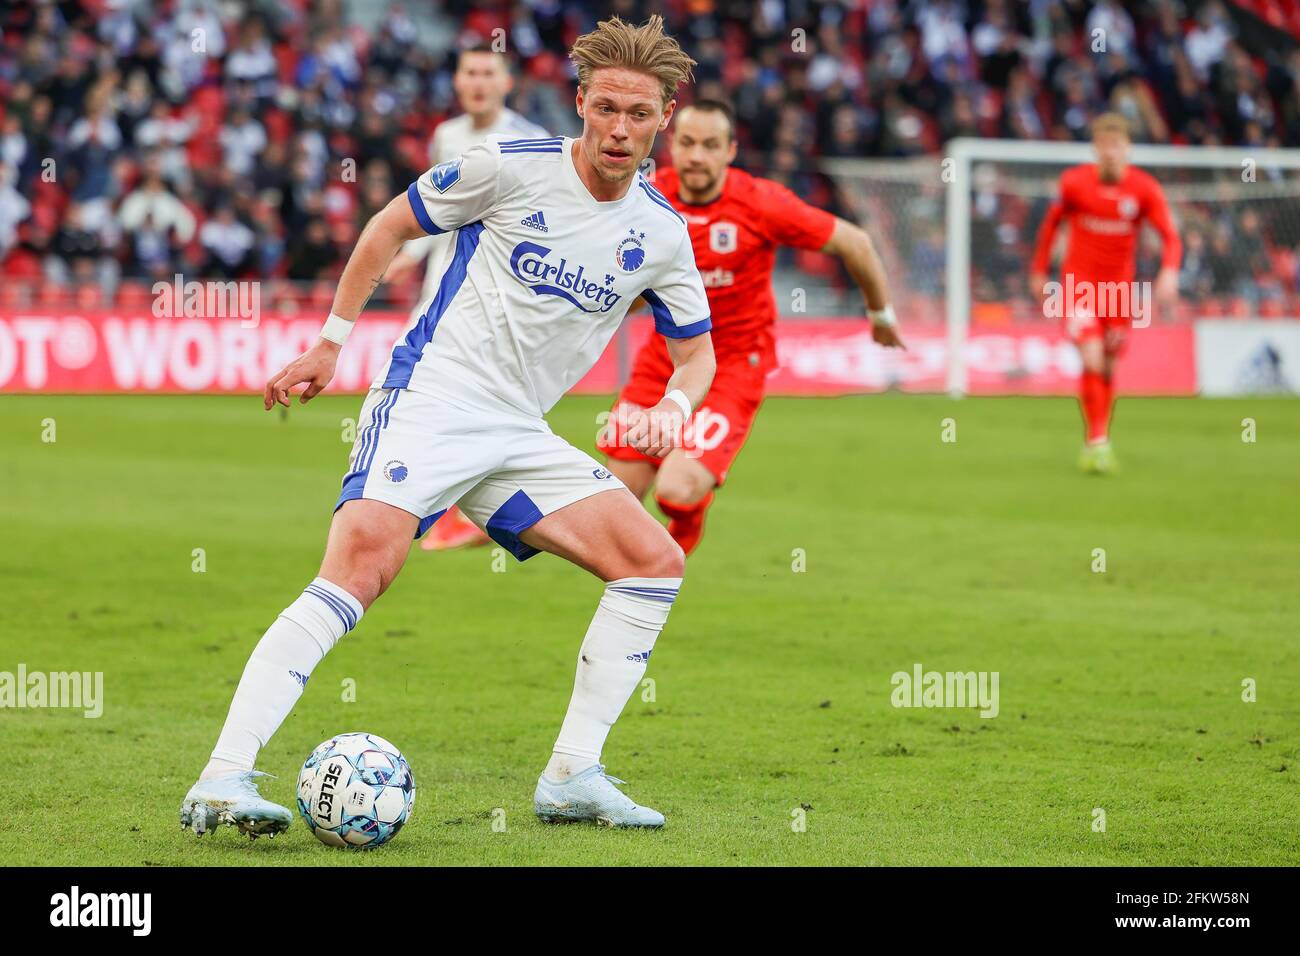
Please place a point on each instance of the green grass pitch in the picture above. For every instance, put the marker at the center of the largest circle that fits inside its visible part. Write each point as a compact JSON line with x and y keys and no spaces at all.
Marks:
{"x":1120,"y":690}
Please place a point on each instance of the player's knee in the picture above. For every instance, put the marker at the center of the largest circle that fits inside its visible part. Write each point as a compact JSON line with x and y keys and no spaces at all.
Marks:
{"x":683,"y":486}
{"x":364,"y":562}
{"x":662,"y":558}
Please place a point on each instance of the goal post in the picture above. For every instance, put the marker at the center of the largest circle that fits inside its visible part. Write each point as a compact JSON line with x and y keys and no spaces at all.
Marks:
{"x":988,"y":197}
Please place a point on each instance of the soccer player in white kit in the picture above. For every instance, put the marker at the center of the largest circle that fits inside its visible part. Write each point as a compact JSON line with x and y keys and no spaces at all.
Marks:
{"x":554,"y":238}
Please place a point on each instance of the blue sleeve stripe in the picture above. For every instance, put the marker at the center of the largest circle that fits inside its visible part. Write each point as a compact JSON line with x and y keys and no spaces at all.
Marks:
{"x":686,"y":331}
{"x":663,"y":317}
{"x":421,"y":214}
{"x":666,"y":325}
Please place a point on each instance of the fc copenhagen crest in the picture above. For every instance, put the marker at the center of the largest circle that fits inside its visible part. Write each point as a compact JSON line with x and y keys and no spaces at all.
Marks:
{"x":630,"y":253}
{"x":723,"y":236}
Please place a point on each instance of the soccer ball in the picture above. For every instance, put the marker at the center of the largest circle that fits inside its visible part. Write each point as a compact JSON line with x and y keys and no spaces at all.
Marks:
{"x":356,"y":790}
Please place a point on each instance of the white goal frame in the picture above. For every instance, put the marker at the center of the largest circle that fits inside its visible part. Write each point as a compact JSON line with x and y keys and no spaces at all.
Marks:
{"x":965,"y":152}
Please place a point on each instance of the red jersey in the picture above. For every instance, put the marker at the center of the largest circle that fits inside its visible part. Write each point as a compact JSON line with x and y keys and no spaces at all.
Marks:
{"x":735,"y":239}
{"x":1105,"y":219}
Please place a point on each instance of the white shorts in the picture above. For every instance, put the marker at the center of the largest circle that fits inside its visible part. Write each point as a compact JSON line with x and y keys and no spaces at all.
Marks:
{"x":423,"y":454}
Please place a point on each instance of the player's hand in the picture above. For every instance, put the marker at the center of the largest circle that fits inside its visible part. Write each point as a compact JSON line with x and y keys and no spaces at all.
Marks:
{"x":314,"y":366}
{"x":1037,"y":286}
{"x":656,"y":431}
{"x":1166,"y":290}
{"x":887,"y":335}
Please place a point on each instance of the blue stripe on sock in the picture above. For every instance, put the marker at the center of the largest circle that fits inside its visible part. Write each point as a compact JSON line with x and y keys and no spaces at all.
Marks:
{"x":661,"y":596}
{"x":341,"y":609}
{"x":335,"y":604}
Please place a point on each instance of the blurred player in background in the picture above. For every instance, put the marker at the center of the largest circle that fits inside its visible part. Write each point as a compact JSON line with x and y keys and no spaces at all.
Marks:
{"x":736,"y":223}
{"x":1105,"y":204}
{"x":482,"y":82}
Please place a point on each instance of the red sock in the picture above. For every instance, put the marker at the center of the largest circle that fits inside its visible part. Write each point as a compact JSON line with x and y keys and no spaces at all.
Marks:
{"x":686,"y":522}
{"x":1110,"y":401}
{"x":1094,"y":399}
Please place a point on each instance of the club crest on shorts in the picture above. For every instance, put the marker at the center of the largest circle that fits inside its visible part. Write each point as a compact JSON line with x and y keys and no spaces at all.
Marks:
{"x":601,"y":474}
{"x":630,"y":254}
{"x":396,"y":472}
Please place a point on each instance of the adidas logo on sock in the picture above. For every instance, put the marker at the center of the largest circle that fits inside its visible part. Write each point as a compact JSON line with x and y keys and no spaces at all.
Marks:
{"x":639,"y":657}
{"x":535,"y":221}
{"x":300,"y":678}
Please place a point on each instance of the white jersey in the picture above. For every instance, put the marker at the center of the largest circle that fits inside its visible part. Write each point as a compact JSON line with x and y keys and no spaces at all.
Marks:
{"x":540,"y":277}
{"x":451,"y":138}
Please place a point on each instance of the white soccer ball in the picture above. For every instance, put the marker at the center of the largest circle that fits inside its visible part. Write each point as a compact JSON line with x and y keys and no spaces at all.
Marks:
{"x":356,"y":790}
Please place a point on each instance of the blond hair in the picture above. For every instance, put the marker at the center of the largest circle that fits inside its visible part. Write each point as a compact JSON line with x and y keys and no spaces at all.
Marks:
{"x":646,"y":49}
{"x":1110,"y":122}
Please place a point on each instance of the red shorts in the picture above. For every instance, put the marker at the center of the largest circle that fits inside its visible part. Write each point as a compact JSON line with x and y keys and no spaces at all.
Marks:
{"x":1081,"y":326}
{"x":718,"y":429}
{"x":1082,"y":323}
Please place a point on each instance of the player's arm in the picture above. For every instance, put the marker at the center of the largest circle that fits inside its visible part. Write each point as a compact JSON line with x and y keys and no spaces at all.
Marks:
{"x":681,"y":313}
{"x":1171,"y":259}
{"x":657,"y":431}
{"x":852,"y":246}
{"x":384,"y":234}
{"x":413,"y":253}
{"x":408,"y":258}
{"x":1042,"y":258}
{"x":693,"y":368}
{"x":790,"y":221}
{"x":447,"y":197}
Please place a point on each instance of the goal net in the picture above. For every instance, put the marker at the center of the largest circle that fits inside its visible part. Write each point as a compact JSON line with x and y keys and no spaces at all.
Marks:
{"x":957,"y":232}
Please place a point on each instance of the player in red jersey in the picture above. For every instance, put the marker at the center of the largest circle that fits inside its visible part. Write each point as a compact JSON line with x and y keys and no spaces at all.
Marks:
{"x":1098,"y":297}
{"x":736,"y":222}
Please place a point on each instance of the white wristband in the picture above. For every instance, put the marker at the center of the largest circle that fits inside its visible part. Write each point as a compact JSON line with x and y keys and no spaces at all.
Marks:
{"x":883,"y":316}
{"x":684,"y":403}
{"x":336,"y":329}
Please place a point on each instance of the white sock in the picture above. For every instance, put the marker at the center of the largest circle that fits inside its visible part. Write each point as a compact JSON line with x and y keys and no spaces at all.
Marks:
{"x":611,"y":662}
{"x":277,"y":672}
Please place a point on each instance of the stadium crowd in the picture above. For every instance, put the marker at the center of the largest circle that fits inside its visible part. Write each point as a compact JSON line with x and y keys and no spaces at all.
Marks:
{"x":253,"y":138}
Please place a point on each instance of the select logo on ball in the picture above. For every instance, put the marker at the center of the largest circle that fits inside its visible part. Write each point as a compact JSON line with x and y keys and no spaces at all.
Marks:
{"x":331,"y":773}
{"x":396,"y":472}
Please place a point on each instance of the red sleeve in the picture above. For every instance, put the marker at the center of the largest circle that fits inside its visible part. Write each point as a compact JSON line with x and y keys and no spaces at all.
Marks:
{"x":1042,"y":259}
{"x":1157,"y":213}
{"x":791,"y":221}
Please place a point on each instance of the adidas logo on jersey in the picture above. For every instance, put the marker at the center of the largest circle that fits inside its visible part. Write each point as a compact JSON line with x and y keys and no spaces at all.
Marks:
{"x":535,"y":221}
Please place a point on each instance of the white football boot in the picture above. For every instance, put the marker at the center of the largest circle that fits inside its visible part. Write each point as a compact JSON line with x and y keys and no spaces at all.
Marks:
{"x":591,"y":795}
{"x":232,"y":800}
